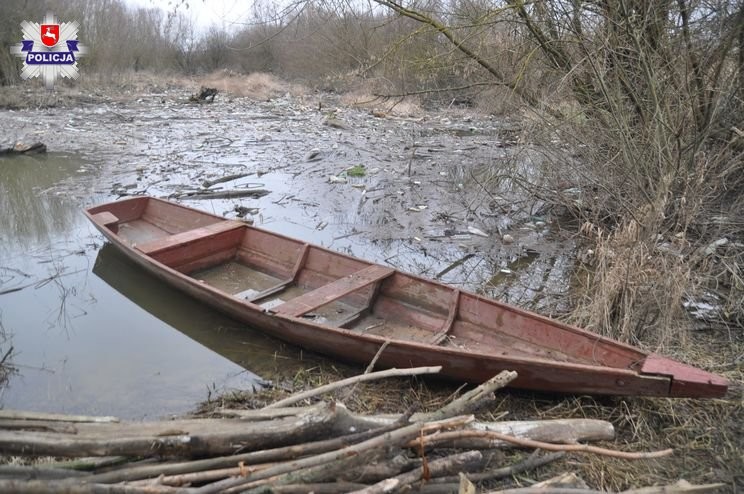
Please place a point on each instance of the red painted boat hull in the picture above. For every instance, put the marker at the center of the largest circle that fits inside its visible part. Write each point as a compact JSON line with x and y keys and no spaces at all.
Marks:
{"x":347,"y":308}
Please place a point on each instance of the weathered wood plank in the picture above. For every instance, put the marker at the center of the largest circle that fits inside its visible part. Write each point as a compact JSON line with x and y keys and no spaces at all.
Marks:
{"x":334,"y":291}
{"x":159,"y":245}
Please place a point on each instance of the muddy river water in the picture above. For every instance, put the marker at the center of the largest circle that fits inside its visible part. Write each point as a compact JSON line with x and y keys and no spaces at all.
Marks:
{"x":93,"y":334}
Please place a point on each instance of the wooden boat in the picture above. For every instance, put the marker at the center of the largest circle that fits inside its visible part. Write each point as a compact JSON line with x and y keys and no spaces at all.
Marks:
{"x":347,"y":308}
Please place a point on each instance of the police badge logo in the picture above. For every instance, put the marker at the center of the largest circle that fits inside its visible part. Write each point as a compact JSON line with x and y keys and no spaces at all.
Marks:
{"x":50,"y":50}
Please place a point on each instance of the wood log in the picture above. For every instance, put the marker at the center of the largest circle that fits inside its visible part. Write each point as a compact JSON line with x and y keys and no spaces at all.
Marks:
{"x":65,"y":487}
{"x":53,"y":417}
{"x":186,"y":438}
{"x":535,"y":460}
{"x":320,"y":488}
{"x":289,"y":472}
{"x":557,"y":430}
{"x":41,"y":471}
{"x":264,"y":456}
{"x":461,"y":462}
{"x":38,"y":425}
{"x":376,"y":471}
{"x":91,"y":463}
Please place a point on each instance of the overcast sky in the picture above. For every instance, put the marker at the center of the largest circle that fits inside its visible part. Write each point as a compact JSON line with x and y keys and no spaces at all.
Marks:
{"x":204,"y":12}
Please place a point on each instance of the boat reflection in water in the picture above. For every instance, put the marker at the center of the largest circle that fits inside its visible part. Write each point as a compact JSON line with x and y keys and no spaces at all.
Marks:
{"x":260,"y":354}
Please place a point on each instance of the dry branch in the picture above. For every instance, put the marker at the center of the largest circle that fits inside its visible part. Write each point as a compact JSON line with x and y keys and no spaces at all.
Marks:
{"x":461,"y":462}
{"x":270,"y":455}
{"x":33,"y":472}
{"x":388,"y":440}
{"x":322,"y":488}
{"x":448,"y":437}
{"x":476,"y":398}
{"x":65,"y":487}
{"x":222,"y":194}
{"x":534,"y":461}
{"x":416,"y":371}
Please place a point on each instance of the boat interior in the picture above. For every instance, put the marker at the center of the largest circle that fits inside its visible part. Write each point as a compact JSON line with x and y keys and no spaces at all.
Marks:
{"x":296,"y":279}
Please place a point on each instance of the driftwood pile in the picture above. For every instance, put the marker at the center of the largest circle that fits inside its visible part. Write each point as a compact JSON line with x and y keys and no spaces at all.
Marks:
{"x":23,"y":148}
{"x":322,"y":448}
{"x":205,"y":95}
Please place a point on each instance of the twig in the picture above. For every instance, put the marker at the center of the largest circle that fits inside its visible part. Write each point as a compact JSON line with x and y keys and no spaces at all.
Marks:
{"x":529,"y":443}
{"x":454,"y":265}
{"x":369,"y":369}
{"x":7,"y":354}
{"x":371,"y":365}
{"x":415,"y":371}
{"x":39,"y":283}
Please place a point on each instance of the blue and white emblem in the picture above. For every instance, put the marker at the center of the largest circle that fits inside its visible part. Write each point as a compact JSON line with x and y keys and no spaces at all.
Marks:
{"x":50,"y":50}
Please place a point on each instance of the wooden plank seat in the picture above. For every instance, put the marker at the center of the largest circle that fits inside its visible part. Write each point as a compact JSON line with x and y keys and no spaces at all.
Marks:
{"x":109,"y":220}
{"x":205,"y":232}
{"x":333,"y":291}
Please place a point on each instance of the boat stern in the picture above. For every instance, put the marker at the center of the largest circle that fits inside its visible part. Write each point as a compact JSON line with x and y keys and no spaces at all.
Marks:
{"x":685,"y":381}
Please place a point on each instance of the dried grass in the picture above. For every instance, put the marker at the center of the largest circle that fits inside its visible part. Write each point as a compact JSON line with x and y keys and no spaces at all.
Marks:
{"x":257,"y":86}
{"x":630,"y":289}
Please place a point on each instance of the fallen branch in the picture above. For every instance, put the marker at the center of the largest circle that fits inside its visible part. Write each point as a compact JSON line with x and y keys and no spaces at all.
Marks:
{"x":222,"y":194}
{"x":277,"y":475}
{"x":321,"y":488}
{"x":475,"y":398}
{"x":447,"y":437}
{"x":227,"y":178}
{"x":461,"y":462}
{"x":534,"y":461}
{"x":65,"y":487}
{"x":678,"y":488}
{"x":415,"y":371}
{"x":34,"y":472}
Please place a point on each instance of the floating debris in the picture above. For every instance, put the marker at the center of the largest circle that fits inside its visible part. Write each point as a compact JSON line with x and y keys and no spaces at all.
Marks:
{"x":23,"y":148}
{"x":478,"y":232}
